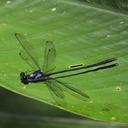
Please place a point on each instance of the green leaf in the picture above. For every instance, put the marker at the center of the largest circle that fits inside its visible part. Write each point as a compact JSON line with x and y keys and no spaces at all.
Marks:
{"x":81,"y":34}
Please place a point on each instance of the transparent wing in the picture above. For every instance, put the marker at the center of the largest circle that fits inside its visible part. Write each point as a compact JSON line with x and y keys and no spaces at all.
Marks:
{"x":58,"y":88}
{"x":49,"y":57}
{"x":74,"y":90}
{"x":24,"y":56}
{"x":56,"y":92}
{"x":55,"y":88}
{"x":27,"y":52}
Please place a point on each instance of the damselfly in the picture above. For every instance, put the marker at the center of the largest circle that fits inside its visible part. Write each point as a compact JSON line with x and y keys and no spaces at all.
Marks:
{"x":46,"y":74}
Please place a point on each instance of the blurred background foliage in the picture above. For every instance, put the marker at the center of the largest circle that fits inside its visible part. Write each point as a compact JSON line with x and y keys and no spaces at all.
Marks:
{"x":18,"y":111}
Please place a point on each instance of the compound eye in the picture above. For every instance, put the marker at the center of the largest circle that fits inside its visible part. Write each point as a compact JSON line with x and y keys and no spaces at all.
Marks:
{"x":23,"y":76}
{"x":22,"y":73}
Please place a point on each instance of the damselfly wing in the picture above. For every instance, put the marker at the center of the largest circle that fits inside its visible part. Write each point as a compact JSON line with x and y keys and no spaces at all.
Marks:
{"x":27,"y":52}
{"x":49,"y":57}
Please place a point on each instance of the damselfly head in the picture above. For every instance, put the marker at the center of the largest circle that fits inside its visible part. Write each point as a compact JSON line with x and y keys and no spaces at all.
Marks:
{"x":23,"y":78}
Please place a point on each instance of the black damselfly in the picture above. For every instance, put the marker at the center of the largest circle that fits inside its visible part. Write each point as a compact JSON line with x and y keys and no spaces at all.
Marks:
{"x":45,"y":73}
